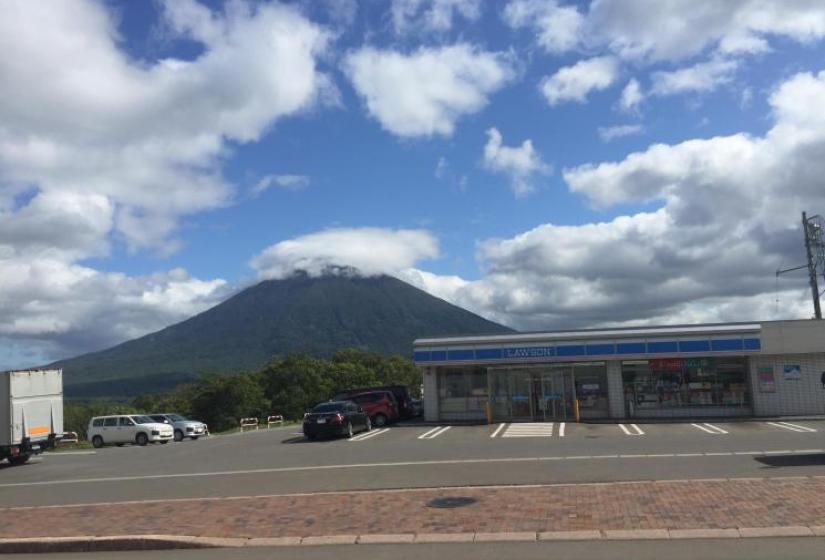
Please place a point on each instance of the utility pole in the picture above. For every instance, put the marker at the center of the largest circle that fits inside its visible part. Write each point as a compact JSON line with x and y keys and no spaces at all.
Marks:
{"x":812,"y":228}
{"x":809,"y":239}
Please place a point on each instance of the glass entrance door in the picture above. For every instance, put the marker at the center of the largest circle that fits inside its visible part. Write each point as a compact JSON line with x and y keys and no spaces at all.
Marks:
{"x":537,"y":393}
{"x":554,"y":395}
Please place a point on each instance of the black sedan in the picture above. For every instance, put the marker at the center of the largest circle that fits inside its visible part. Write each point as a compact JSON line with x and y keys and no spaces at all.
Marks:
{"x":335,"y":418}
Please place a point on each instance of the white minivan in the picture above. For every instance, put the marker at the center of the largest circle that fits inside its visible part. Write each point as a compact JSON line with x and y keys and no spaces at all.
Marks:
{"x":132,"y":428}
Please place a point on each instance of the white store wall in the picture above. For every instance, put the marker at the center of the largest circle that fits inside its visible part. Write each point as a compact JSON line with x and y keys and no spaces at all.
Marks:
{"x":792,"y":396}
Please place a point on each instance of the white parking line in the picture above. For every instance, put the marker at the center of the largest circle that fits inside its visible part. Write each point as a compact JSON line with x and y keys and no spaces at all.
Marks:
{"x":368,"y":435}
{"x":529,"y":429}
{"x":500,"y":427}
{"x":434,"y":433}
{"x":561,"y":429}
{"x":792,"y":427}
{"x":710,"y":428}
{"x":635,"y":431}
{"x":59,"y":453}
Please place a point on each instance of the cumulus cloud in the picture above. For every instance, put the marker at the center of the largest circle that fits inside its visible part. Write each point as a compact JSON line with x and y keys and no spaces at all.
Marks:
{"x":425,"y":92}
{"x":574,"y":83}
{"x":371,"y":251}
{"x":726,"y":217}
{"x":431,"y":15}
{"x":610,"y":133}
{"x":148,"y":137}
{"x":647,"y":32}
{"x":286,"y":182}
{"x":653,"y":30}
{"x":53,"y":310}
{"x":701,"y":77}
{"x":632,"y":96}
{"x":558,"y":28}
{"x":521,"y":164}
{"x":97,"y":146}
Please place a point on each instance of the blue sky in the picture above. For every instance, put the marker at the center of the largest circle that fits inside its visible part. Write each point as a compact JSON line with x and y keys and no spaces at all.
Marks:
{"x":157,"y":156}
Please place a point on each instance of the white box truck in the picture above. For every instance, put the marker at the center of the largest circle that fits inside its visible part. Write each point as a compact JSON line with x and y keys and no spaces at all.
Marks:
{"x":31,"y":412}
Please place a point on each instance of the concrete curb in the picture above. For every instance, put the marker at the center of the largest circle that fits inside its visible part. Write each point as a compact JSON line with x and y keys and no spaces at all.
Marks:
{"x":169,"y":542}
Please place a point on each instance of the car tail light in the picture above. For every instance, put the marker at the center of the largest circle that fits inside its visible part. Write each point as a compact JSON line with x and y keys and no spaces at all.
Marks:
{"x":338,"y":418}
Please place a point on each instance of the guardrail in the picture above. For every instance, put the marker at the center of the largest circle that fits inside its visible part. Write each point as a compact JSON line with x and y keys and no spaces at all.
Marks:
{"x":274,"y":419}
{"x":69,"y":437}
{"x":248,"y":423}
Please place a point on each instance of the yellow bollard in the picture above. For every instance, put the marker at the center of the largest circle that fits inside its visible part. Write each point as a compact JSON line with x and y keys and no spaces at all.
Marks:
{"x":576,"y":410}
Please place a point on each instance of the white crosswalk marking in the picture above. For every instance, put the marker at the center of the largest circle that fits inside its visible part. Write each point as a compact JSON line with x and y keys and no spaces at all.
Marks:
{"x":561,"y":429}
{"x":792,"y":427}
{"x":434,"y":433}
{"x":709,"y":428}
{"x":631,"y":429}
{"x":367,"y":435}
{"x":500,"y":427}
{"x":529,"y":429}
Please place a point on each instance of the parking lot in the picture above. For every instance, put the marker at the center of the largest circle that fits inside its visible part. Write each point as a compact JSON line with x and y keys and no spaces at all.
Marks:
{"x":281,"y":460}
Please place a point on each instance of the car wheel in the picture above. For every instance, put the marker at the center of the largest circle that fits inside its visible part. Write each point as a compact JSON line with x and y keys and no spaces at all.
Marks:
{"x":368,"y":424}
{"x":379,"y":420}
{"x":19,"y":460}
{"x":141,"y":439}
{"x":178,"y":435}
{"x":97,"y":442}
{"x":349,"y":429}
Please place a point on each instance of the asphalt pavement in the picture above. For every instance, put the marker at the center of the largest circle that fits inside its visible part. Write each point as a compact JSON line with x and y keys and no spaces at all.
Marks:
{"x":750,"y":549}
{"x":281,"y":461}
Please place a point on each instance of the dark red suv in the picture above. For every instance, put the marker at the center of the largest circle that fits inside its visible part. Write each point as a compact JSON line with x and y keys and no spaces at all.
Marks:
{"x":379,"y":405}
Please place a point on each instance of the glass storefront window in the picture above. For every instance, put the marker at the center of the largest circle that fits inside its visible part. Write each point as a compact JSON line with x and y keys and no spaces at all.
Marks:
{"x":591,"y":390}
{"x":462,"y":393}
{"x":686,"y":382}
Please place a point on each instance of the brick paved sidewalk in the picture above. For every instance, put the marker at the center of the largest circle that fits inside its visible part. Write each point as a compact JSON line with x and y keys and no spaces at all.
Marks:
{"x":698,"y":504}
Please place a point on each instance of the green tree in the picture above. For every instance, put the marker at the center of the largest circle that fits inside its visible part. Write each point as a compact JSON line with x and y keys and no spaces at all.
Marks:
{"x":221,"y":401}
{"x":295,"y":382}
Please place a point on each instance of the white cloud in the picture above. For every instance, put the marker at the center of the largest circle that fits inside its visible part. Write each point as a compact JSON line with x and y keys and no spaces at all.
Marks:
{"x":79,"y":115}
{"x":54,"y":310}
{"x":558,"y":28}
{"x":574,"y":83}
{"x":431,"y":15}
{"x":610,"y":133}
{"x":632,"y":96}
{"x":726,"y":217}
{"x":96,"y":146}
{"x":654,"y":30}
{"x":521,"y":164}
{"x":424,"y":93}
{"x":371,"y":251}
{"x":701,"y":77}
{"x":286,"y":182}
{"x":657,"y":30}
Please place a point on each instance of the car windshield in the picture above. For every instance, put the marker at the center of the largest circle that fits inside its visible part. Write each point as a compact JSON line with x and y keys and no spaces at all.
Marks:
{"x":329,"y":407}
{"x":176,"y":418}
{"x":143,"y":420}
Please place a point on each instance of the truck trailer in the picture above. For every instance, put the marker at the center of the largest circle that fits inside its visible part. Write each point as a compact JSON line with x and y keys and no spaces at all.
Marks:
{"x":31,"y":413}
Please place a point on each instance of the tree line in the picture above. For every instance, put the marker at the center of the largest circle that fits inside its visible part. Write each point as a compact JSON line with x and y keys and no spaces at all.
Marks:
{"x":288,"y":385}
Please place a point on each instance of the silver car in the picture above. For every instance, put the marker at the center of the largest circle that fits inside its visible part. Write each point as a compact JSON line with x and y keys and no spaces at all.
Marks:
{"x":184,"y":428}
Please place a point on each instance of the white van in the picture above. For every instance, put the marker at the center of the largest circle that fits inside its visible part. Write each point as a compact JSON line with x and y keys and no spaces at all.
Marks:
{"x":133,"y":428}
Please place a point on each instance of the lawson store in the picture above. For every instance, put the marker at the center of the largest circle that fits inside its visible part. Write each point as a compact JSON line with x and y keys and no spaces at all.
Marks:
{"x":770,"y":368}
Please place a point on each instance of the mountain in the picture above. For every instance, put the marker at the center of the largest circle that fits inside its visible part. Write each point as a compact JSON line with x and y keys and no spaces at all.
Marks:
{"x":299,"y":314}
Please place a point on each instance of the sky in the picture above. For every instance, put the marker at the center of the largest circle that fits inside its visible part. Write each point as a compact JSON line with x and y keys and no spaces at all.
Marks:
{"x":547,"y":164}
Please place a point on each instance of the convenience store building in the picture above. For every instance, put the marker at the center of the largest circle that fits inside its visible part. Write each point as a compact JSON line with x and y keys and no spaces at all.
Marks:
{"x":773,"y":368}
